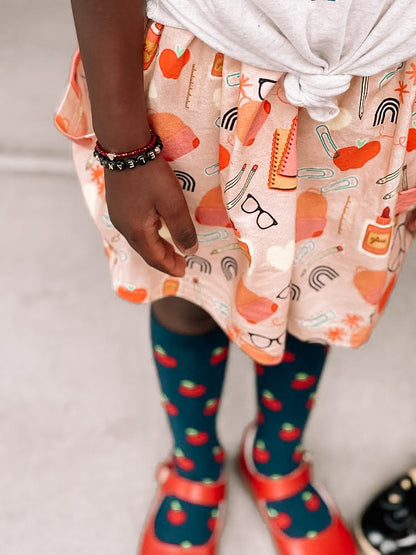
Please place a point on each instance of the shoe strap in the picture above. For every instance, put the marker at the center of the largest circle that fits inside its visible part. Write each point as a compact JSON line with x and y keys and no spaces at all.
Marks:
{"x":267,"y":488}
{"x":197,"y":493}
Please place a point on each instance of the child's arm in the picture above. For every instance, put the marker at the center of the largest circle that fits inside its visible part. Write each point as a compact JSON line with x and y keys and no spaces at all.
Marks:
{"x":110,"y":36}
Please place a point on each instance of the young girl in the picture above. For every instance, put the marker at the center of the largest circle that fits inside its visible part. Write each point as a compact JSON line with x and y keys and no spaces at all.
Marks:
{"x":252,"y":177}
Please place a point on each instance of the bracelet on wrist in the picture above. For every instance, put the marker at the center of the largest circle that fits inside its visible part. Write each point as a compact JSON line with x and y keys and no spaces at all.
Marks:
{"x":119,"y":161}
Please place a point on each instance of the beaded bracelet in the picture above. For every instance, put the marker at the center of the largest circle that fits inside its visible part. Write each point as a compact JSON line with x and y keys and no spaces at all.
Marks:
{"x":129,"y":160}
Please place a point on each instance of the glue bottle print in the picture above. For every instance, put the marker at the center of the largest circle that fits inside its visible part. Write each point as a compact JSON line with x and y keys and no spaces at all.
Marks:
{"x":378,"y":235}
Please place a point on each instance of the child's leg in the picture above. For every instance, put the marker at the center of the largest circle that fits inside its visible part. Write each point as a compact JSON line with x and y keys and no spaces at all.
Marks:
{"x":285,"y":396}
{"x":190,"y":353}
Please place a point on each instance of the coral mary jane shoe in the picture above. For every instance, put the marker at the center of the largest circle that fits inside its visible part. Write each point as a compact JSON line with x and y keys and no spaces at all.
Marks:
{"x":334,"y":540}
{"x":170,"y":483}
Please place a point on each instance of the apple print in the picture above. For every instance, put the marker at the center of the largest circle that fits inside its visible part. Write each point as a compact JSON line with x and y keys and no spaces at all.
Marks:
{"x":303,"y":381}
{"x":411,"y":140}
{"x":170,"y":408}
{"x":218,"y":355}
{"x":163,"y":358}
{"x":289,"y":432}
{"x":280,"y":519}
{"x":297,"y":454}
{"x":312,"y":501}
{"x":260,"y":454}
{"x":176,"y":515}
{"x":219,"y":454}
{"x":211,"y":406}
{"x":269,"y":401}
{"x":212,"y":521}
{"x":259,"y":369}
{"x":171,"y":62}
{"x":196,"y":437}
{"x":184,"y":463}
{"x":288,"y":357}
{"x":352,"y":157}
{"x":260,"y":417}
{"x":191,"y":389}
{"x":311,"y":401}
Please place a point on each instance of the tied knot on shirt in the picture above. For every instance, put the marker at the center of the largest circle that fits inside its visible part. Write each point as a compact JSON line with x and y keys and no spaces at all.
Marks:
{"x":316,"y":93}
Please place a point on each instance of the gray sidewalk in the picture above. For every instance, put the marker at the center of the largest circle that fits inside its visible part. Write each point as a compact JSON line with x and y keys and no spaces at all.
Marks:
{"x":81,"y":428}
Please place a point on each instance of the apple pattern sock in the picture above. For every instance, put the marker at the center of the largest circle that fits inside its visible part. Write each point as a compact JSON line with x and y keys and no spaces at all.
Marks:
{"x":285,"y":395}
{"x":191,"y":373}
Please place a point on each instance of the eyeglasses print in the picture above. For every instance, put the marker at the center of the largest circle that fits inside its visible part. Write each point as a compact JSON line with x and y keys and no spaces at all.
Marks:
{"x":263,"y":342}
{"x":264,"y":219}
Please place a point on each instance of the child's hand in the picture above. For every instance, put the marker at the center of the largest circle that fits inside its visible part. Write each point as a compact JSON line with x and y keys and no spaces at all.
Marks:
{"x":137,"y":200}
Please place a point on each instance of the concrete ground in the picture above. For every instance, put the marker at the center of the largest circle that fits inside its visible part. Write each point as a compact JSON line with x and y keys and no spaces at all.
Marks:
{"x":81,"y":427}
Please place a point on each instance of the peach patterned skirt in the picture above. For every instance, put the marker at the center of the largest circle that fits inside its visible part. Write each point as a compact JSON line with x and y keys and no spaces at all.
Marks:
{"x":302,"y":225}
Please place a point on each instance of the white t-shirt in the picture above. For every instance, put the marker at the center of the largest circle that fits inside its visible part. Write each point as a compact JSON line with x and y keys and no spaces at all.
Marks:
{"x":319,"y":43}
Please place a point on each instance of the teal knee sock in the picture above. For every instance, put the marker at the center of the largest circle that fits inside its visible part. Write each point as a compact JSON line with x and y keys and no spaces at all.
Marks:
{"x":191,"y":374}
{"x":285,"y":395}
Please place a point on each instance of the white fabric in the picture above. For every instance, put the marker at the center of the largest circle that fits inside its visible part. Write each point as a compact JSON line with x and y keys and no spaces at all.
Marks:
{"x":319,"y":43}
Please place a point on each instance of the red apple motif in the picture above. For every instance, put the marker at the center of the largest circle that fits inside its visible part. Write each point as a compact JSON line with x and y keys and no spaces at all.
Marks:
{"x":280,"y":519}
{"x":170,"y":408}
{"x":219,"y":355}
{"x":311,"y":500}
{"x":288,"y":356}
{"x":411,"y":140}
{"x":219,"y":454}
{"x":163,"y":358}
{"x":260,"y":454}
{"x":303,"y":381}
{"x":171,"y":62}
{"x":259,"y":369}
{"x":176,"y":515}
{"x":297,"y":454}
{"x":191,"y":389}
{"x":270,"y":402}
{"x":260,"y":417}
{"x":184,"y":463}
{"x":211,"y":406}
{"x":289,"y":432}
{"x":311,"y":401}
{"x":196,"y":437}
{"x":212,"y":521}
{"x":352,"y":157}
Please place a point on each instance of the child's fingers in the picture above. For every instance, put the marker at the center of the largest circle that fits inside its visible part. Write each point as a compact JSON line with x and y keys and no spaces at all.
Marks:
{"x":156,"y":251}
{"x":176,"y":215}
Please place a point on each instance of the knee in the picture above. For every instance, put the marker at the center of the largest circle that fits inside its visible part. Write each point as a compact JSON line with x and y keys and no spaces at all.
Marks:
{"x":181,"y":316}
